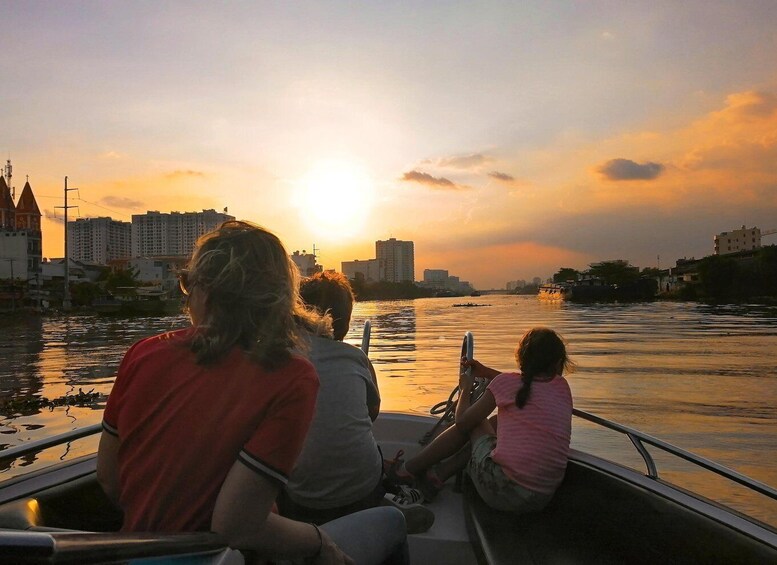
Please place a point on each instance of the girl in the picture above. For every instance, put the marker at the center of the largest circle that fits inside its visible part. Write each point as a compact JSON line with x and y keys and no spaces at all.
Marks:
{"x":204,"y":425}
{"x":517,"y":465}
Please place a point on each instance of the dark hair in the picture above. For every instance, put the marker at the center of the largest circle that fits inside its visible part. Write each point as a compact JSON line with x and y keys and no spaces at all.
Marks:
{"x":330,"y":292}
{"x":251,"y":295}
{"x":541,"y":351}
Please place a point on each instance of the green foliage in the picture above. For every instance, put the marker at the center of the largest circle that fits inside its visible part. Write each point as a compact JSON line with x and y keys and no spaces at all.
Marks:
{"x":650,"y":272}
{"x":83,"y":293}
{"x":618,"y":272}
{"x":717,"y":275}
{"x":565,"y":274}
{"x":121,"y":278}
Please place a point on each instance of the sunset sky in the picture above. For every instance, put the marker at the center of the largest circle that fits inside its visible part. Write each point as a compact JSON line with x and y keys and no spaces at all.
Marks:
{"x":506,"y":139}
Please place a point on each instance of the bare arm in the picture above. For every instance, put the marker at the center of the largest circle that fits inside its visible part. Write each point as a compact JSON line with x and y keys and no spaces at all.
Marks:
{"x":108,"y":466}
{"x":251,"y":525}
{"x":374,"y":408}
{"x":478,"y":369}
{"x":469,"y":416}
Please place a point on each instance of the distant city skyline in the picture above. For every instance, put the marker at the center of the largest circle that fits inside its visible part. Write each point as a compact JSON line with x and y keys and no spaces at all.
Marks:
{"x":506,"y":140}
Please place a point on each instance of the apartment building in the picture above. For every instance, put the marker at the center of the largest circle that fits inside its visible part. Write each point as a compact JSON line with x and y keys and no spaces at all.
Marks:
{"x":99,"y":240}
{"x":156,"y":234}
{"x":396,"y":260}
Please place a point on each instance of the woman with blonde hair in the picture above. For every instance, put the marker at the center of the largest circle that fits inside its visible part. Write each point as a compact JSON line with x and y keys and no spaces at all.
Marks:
{"x":204,"y":425}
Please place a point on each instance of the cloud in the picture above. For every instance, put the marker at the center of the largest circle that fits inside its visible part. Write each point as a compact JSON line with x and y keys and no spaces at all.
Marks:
{"x":185,"y":173}
{"x":626,"y":169}
{"x":471,"y":161}
{"x":53,"y":216}
{"x":437,"y":183}
{"x":120,"y":202}
{"x":503,"y":177}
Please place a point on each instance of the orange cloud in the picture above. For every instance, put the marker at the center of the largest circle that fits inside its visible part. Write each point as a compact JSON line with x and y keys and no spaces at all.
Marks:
{"x":436,"y":183}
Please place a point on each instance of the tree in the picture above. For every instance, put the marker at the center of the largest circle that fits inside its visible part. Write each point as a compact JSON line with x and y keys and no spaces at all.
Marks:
{"x":618,"y":272}
{"x":565,"y":274}
{"x":121,"y":278}
{"x":717,"y":276}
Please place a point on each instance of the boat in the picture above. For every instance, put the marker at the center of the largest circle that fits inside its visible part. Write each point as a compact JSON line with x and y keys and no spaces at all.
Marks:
{"x":138,"y":301}
{"x":554,"y":291}
{"x":602,"y":513}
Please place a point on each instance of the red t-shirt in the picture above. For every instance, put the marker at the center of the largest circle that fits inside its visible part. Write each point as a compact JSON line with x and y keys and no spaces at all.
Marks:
{"x":182,"y":426}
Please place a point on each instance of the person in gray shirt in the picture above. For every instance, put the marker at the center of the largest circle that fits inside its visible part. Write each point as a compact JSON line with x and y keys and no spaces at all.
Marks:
{"x":340,"y":468}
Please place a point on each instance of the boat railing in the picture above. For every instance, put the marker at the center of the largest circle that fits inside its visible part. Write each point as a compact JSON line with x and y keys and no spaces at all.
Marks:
{"x":640,"y":439}
{"x":53,"y":441}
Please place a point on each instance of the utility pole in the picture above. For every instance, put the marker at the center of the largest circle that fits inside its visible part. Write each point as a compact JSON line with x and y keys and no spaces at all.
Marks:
{"x":66,"y":297}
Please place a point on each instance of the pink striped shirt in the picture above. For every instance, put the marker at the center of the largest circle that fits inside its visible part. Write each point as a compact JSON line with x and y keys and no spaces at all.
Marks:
{"x":532,"y":443}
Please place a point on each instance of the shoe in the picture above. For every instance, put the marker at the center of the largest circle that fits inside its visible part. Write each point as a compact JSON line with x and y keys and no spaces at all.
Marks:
{"x":418,"y":518}
{"x":395,"y":470}
{"x":430,"y":485}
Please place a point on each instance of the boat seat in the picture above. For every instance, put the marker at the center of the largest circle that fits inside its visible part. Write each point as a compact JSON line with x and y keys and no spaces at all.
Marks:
{"x":79,"y":504}
{"x":599,"y":518}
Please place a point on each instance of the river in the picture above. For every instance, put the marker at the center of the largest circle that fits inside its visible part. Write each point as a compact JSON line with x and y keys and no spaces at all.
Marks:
{"x":703,"y":378}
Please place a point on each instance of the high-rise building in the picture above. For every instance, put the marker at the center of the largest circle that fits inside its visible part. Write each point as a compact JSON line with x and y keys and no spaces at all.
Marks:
{"x":396,"y":260}
{"x":156,"y":234}
{"x":99,"y":240}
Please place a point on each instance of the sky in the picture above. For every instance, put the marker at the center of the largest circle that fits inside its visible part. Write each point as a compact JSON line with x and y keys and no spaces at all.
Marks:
{"x":505,"y":139}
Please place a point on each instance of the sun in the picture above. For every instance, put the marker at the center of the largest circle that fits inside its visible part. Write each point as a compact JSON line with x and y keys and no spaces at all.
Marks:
{"x":335,"y":198}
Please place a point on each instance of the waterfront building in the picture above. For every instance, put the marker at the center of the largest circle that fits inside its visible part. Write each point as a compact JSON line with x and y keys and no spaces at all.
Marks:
{"x":99,"y":240}
{"x":396,"y":260}
{"x":306,"y":263}
{"x":512,"y":286}
{"x":435,"y":277}
{"x":161,"y":272}
{"x":21,"y":240}
{"x":367,"y":268}
{"x":743,"y":239}
{"x":156,"y":234}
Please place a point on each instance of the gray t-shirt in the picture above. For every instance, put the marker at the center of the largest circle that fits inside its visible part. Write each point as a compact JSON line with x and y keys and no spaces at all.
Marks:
{"x":340,"y":462}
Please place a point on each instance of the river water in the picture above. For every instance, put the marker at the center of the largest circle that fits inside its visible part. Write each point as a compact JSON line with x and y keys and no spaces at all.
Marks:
{"x":703,"y":378}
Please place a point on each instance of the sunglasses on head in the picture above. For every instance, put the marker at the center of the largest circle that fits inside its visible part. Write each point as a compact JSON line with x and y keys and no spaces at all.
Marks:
{"x":184,"y":282}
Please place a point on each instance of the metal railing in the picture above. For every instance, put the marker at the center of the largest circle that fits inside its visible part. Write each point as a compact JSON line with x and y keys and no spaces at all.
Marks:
{"x":40,"y":445}
{"x":639,"y":440}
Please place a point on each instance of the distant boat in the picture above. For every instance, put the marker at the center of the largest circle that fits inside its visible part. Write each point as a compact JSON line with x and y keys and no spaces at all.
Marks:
{"x":131,"y":301}
{"x":555,"y":291}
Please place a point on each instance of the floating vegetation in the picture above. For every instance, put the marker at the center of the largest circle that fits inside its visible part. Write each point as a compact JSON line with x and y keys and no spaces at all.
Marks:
{"x":82,"y":398}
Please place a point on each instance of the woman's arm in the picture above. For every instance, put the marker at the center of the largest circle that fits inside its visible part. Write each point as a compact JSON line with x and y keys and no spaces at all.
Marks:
{"x":373,"y":405}
{"x":252,"y":526}
{"x":108,"y":466}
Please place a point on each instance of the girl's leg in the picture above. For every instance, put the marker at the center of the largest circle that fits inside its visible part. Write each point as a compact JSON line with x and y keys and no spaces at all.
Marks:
{"x":371,"y":537}
{"x":446,"y":444}
{"x":452,"y":465}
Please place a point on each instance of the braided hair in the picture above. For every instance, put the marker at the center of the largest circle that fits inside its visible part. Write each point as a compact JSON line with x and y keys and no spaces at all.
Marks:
{"x":540,"y":352}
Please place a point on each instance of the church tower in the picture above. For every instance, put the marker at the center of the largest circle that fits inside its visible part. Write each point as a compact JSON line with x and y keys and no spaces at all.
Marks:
{"x":27,"y":211}
{"x":7,"y":208}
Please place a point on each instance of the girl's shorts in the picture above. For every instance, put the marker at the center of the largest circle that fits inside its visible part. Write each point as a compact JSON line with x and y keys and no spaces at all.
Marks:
{"x":494,"y":487}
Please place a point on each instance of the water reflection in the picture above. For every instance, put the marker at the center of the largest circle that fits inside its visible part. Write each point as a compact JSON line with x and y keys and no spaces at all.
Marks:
{"x":700,"y":377}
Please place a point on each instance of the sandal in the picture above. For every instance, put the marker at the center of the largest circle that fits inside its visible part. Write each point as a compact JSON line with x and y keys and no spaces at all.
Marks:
{"x":395,"y":471}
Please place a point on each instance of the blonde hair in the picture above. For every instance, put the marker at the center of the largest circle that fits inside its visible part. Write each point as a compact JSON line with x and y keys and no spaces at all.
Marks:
{"x":251,"y":296}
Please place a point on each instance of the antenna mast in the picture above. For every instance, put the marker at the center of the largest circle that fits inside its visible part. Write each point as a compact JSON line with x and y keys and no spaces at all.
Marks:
{"x":8,"y":174}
